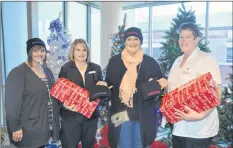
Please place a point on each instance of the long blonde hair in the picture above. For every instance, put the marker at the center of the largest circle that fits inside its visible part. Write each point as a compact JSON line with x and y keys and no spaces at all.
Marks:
{"x":74,"y":44}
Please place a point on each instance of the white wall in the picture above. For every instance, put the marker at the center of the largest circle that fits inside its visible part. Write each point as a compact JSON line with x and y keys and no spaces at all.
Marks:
{"x":110,"y":20}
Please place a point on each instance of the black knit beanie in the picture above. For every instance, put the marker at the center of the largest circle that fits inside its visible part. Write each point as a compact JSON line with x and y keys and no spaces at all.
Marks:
{"x":133,"y":31}
{"x":33,"y":42}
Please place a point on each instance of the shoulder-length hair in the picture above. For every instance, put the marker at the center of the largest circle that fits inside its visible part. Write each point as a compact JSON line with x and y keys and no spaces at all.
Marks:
{"x":74,"y":44}
{"x":35,"y":48}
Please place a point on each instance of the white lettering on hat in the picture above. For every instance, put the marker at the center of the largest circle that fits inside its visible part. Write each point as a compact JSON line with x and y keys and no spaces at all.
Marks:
{"x":132,"y":33}
{"x":37,"y":42}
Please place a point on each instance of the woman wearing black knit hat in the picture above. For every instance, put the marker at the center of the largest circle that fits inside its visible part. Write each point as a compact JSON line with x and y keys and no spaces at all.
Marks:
{"x":133,"y":121}
{"x":31,"y":113}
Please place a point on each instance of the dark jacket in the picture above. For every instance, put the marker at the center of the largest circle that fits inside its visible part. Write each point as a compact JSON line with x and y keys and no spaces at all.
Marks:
{"x":27,"y":107}
{"x":93,"y":74}
{"x":144,"y":110}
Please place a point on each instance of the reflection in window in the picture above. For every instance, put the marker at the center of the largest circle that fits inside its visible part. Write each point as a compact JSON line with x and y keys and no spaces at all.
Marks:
{"x":77,"y":20}
{"x":46,"y":15}
{"x":95,"y":35}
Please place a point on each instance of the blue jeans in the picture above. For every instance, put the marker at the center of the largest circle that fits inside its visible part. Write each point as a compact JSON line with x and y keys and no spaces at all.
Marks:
{"x":130,"y":136}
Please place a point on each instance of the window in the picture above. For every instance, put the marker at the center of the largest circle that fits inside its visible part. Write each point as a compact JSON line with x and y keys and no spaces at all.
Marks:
{"x":146,"y":51}
{"x":156,"y":52}
{"x":162,"y":18}
{"x":77,"y":20}
{"x":139,"y":17}
{"x":2,"y":79}
{"x":229,"y":55}
{"x":220,"y":14}
{"x":220,"y":30}
{"x":95,"y":35}
{"x":14,"y":37}
{"x":200,"y":11}
{"x":161,"y":21}
{"x":47,"y":12}
{"x":2,"y":61}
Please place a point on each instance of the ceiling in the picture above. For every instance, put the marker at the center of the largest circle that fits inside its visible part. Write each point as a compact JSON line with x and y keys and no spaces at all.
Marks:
{"x":126,"y":4}
{"x":133,"y":4}
{"x":123,"y":3}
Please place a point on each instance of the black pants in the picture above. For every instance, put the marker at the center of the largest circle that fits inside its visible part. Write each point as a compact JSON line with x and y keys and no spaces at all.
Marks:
{"x":185,"y":142}
{"x":74,"y":131}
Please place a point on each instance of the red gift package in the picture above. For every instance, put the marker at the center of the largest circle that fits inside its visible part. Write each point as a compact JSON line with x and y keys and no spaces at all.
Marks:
{"x":199,"y":94}
{"x":71,"y":94}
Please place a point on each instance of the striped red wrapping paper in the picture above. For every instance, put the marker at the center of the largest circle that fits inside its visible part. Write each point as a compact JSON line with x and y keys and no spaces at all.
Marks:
{"x":71,"y":94}
{"x":199,"y":94}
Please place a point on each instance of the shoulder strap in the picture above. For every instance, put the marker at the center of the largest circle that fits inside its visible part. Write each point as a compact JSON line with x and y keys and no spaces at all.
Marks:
{"x":49,"y":76}
{"x":138,"y":70}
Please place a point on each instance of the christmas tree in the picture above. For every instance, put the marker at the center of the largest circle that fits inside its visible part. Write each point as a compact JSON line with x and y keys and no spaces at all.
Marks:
{"x":225,"y":115}
{"x":170,"y":48}
{"x":59,"y":43}
{"x":118,"y":39}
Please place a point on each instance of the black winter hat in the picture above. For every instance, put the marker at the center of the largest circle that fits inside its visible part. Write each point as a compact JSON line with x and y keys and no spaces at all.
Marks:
{"x":151,"y":89}
{"x":99,"y":91}
{"x":33,"y":42}
{"x":133,"y":31}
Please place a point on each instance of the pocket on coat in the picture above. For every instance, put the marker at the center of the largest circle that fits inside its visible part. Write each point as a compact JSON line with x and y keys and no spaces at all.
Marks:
{"x":32,"y":123}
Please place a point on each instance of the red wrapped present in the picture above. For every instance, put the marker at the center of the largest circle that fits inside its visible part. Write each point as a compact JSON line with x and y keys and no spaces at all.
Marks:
{"x":158,"y":144}
{"x":199,"y":94}
{"x":71,"y":94}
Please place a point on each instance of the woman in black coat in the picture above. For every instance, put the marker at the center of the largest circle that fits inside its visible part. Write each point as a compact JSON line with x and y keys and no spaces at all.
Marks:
{"x":126,"y":73}
{"x":75,"y":127}
{"x":31,"y":113}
